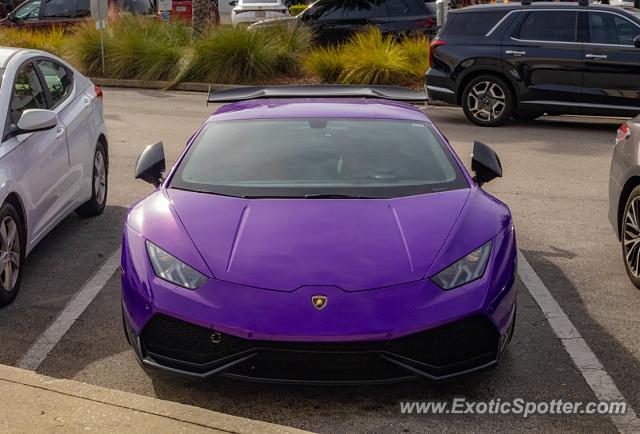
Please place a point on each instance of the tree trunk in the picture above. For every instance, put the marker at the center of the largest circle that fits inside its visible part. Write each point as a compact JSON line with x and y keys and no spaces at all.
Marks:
{"x":199,"y":17}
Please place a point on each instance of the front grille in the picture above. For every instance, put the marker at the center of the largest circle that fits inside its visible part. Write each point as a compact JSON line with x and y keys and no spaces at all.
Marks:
{"x":444,"y":350}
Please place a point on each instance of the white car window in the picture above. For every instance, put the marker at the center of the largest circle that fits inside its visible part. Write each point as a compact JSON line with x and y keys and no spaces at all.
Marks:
{"x":58,"y":79}
{"x":27,"y":93}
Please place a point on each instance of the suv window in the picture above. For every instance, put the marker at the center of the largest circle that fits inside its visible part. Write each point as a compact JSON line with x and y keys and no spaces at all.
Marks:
{"x":403,"y":8}
{"x":83,"y":8}
{"x":58,"y":9}
{"x":555,"y":26}
{"x":27,"y":93}
{"x":58,"y":80}
{"x":28,"y":11}
{"x":326,"y":10}
{"x":359,"y":9}
{"x":472,"y":23}
{"x":605,"y":28}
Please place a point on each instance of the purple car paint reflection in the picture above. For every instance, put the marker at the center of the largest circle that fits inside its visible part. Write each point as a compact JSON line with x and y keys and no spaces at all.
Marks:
{"x":326,"y":290}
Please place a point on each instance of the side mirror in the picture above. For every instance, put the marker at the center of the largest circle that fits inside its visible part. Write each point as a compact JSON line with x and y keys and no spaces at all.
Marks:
{"x":636,"y":41}
{"x":36,"y":120}
{"x":485,"y":164}
{"x":151,"y":164}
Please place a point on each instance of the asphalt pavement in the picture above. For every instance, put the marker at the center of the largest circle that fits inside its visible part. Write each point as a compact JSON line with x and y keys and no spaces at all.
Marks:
{"x":555,"y":181}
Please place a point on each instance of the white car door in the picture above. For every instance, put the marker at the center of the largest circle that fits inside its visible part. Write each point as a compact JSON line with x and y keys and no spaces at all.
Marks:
{"x":74,"y":107}
{"x":41,"y":157}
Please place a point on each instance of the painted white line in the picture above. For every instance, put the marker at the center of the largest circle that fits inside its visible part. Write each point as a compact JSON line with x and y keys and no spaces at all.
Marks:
{"x":583,"y":357}
{"x":69,"y":315}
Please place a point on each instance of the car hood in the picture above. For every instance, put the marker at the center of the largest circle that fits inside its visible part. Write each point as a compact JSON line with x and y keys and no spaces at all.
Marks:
{"x":285,"y":244}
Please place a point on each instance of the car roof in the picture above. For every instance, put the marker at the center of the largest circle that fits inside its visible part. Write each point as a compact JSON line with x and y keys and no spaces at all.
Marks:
{"x":7,"y":53}
{"x":539,"y":5}
{"x":362,"y":108}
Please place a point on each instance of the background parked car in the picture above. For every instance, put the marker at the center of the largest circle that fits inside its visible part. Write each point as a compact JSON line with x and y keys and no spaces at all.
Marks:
{"x":39,"y":13}
{"x":499,"y":61}
{"x":335,"y":20}
{"x":251,"y":11}
{"x":624,"y":195}
{"x":53,"y":154}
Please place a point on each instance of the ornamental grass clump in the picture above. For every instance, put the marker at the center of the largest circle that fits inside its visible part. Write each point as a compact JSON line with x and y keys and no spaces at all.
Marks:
{"x":228,"y":55}
{"x":374,"y":58}
{"x":325,"y":63}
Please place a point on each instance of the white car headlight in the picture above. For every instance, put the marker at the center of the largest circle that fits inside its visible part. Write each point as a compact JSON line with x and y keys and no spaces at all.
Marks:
{"x":466,"y":270}
{"x":172,"y":269}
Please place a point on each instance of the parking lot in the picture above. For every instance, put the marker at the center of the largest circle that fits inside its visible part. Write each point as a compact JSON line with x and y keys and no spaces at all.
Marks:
{"x":555,"y":181}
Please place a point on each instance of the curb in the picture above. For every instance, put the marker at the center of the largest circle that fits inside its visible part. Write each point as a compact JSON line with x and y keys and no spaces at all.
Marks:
{"x":103,"y":409}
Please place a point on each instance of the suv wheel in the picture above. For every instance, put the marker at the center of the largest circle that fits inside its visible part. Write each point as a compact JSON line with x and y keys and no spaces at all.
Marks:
{"x":487,"y":101}
{"x":631,"y":236}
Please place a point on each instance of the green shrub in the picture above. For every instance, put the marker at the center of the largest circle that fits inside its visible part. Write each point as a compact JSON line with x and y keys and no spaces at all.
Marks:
{"x":374,"y":59}
{"x":326,"y":63}
{"x":292,"y":41}
{"x":83,"y":48}
{"x":50,"y":40}
{"x":145,"y":49}
{"x":297,"y":9}
{"x":229,"y":55}
{"x":416,"y":50}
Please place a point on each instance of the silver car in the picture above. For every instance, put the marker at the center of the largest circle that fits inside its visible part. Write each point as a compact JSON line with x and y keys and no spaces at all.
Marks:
{"x":53,"y":154}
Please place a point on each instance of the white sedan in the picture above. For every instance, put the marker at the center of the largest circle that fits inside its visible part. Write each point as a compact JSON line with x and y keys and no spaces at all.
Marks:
{"x":250,"y":11}
{"x":53,"y":154}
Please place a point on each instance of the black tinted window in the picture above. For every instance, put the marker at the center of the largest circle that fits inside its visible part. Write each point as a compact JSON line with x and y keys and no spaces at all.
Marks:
{"x":610,"y":29}
{"x":402,"y":8}
{"x":326,"y":10}
{"x":58,"y":8}
{"x":557,"y":26}
{"x":83,"y":8}
{"x":299,"y":157}
{"x":472,"y":23}
{"x":365,"y":9}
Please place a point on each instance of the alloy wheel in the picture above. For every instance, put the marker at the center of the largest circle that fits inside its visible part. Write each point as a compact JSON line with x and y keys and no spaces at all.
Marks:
{"x":486,"y":101}
{"x":631,"y":236}
{"x":9,"y":253}
{"x":99,"y":177}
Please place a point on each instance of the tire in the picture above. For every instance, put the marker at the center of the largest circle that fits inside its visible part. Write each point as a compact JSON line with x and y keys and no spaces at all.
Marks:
{"x":99,"y":185}
{"x":629,"y":235}
{"x":487,"y":101}
{"x":527,"y":116}
{"x":12,"y":248}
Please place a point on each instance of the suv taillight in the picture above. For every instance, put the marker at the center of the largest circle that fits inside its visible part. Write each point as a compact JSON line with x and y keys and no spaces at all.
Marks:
{"x":435,"y":44}
{"x":623,"y":133}
{"x":98,"y":91}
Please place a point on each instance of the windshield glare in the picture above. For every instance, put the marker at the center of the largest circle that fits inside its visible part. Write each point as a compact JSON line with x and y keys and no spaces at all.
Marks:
{"x":310,"y":157}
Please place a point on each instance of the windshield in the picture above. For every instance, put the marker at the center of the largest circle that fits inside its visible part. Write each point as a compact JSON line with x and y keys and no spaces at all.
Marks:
{"x":318,"y":157}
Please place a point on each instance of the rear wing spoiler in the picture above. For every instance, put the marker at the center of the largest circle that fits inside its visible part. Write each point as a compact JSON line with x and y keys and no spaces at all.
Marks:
{"x":395,"y":93}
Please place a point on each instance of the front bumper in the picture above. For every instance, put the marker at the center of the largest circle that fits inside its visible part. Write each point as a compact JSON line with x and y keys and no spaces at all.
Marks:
{"x":382,"y":335}
{"x":184,"y":348}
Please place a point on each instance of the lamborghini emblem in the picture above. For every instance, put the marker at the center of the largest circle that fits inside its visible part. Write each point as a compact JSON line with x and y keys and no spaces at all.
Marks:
{"x":319,"y":301}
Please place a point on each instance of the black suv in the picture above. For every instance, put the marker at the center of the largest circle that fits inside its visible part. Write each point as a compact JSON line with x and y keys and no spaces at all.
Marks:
{"x":521,"y":61}
{"x":335,"y":20}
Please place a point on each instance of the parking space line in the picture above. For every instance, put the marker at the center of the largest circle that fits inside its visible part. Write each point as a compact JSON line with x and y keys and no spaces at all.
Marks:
{"x":583,"y":357}
{"x":69,"y":315}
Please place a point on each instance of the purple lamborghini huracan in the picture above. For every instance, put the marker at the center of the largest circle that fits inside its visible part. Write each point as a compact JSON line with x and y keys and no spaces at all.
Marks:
{"x":319,"y":234}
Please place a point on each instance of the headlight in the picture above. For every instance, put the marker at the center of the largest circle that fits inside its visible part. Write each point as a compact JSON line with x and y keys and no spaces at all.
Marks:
{"x":466,"y":270}
{"x":173,"y":270}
